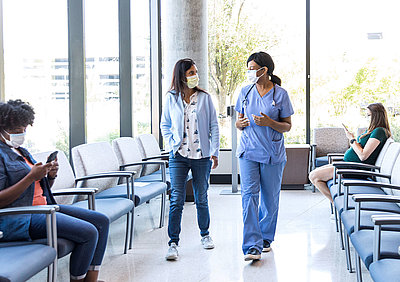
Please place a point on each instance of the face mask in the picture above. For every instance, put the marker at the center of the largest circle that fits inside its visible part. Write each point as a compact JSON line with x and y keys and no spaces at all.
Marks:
{"x":192,"y":81}
{"x":252,"y":75}
{"x":16,"y":140}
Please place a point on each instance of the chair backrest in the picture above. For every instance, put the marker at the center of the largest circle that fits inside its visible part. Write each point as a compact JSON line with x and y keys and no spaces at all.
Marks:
{"x":330,"y":140}
{"x":95,"y":158}
{"x":383,"y":152}
{"x":65,"y":176}
{"x":388,"y":160}
{"x":127,"y":151}
{"x":149,"y":148}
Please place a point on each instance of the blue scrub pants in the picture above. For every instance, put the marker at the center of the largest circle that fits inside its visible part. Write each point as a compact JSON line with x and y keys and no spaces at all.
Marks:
{"x":179,"y":169}
{"x":86,"y":228}
{"x":259,"y":214}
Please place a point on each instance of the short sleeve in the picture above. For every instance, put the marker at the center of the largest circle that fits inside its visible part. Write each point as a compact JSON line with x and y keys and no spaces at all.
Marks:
{"x":239,"y":102}
{"x":286,"y":109}
{"x":3,"y":175}
{"x":379,"y":133}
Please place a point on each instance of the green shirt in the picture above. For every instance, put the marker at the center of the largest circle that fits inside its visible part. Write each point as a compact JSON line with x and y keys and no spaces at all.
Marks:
{"x":378,"y":133}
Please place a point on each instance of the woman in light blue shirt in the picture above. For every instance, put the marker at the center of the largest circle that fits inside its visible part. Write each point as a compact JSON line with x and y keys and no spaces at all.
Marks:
{"x":264,"y":110}
{"x":189,"y":126}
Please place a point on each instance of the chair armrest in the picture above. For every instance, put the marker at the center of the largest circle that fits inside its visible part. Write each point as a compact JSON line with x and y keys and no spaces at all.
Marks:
{"x":385,"y":219}
{"x":143,"y":163}
{"x":369,"y":184}
{"x":335,"y":155}
{"x":75,"y":191}
{"x":106,"y":175}
{"x":163,"y":157}
{"x":164,"y":152}
{"x":45,"y":209}
{"x":334,"y":159}
{"x":362,"y":172}
{"x":354,"y":165}
{"x":359,"y":198}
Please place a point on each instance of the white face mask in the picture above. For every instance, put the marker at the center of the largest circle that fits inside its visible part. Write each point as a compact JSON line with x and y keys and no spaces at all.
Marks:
{"x":252,"y":75}
{"x":192,"y":81}
{"x":16,"y":140}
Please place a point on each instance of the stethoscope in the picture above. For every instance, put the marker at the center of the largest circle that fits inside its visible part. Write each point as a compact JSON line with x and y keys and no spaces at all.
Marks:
{"x":246,"y":101}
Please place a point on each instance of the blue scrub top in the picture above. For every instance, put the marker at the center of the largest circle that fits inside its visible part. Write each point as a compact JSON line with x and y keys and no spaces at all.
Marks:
{"x":262,"y":143}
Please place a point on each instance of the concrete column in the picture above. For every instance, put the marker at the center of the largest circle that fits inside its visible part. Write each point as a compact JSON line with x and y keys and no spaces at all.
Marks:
{"x":184,"y":35}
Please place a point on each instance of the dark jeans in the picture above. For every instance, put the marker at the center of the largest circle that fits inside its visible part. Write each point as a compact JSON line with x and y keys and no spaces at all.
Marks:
{"x":86,"y":228}
{"x":179,"y":169}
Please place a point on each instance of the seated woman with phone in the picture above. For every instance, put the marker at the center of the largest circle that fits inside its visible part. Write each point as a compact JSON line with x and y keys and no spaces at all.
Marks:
{"x":24,"y":182}
{"x":363,"y":149}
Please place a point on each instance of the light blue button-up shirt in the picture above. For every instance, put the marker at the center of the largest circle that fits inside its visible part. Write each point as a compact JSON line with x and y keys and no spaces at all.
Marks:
{"x":172,"y":123}
{"x":262,"y":143}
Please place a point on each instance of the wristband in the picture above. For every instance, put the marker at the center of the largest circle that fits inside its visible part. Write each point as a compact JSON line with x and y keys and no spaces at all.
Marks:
{"x":352,"y":141}
{"x":51,"y":178}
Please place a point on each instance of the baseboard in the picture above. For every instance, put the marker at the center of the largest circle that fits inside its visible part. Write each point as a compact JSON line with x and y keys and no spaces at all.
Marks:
{"x":222,"y":179}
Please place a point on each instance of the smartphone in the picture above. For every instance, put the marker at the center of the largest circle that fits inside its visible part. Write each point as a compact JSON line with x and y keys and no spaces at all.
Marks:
{"x":52,"y":157}
{"x":345,"y":127}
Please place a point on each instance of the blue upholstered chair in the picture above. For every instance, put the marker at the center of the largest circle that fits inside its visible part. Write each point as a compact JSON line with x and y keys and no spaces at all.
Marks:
{"x":20,"y":260}
{"x":100,"y":159}
{"x":85,"y":198}
{"x":379,"y":248}
{"x":150,"y":150}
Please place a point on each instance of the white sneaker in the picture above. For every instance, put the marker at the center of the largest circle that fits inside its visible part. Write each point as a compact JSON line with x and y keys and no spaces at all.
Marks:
{"x":172,"y":253}
{"x":207,"y":242}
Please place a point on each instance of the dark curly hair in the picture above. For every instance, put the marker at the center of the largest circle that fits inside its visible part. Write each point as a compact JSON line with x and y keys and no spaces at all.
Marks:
{"x":15,"y":113}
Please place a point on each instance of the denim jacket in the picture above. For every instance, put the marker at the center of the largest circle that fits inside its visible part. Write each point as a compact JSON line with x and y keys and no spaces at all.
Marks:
{"x":12,"y":169}
{"x":172,"y":123}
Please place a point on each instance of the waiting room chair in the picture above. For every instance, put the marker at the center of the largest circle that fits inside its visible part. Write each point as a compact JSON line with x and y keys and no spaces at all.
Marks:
{"x":100,"y":159}
{"x":21,"y":260}
{"x":113,"y":208}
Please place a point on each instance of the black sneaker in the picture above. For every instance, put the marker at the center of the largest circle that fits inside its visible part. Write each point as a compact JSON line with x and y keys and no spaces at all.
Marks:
{"x":252,"y":254}
{"x":266,"y":246}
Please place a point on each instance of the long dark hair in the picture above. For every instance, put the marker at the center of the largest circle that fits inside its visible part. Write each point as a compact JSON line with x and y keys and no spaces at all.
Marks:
{"x":264,"y":60}
{"x":179,"y":78}
{"x":379,"y":118}
{"x":15,"y":113}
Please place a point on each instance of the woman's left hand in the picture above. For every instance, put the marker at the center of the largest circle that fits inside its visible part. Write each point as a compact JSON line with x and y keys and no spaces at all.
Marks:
{"x":53,"y":170}
{"x":215,"y":162}
{"x":349,"y":135}
{"x":262,"y":120}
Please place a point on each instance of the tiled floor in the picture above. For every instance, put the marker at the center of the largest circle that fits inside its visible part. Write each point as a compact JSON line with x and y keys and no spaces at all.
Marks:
{"x":306,"y":246}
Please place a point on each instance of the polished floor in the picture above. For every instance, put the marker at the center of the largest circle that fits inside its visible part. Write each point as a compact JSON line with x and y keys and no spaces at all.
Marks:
{"x":306,"y":246}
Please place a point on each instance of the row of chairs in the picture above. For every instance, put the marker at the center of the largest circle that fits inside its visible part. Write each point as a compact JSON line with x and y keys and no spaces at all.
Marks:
{"x":367,"y":212}
{"x":123,"y":175}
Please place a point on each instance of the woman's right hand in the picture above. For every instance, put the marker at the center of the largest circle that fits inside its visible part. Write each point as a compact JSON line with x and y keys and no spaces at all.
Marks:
{"x":242,"y":122}
{"x":39,"y":171}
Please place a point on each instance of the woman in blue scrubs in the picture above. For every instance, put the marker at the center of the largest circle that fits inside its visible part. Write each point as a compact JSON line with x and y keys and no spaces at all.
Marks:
{"x":264,"y":110}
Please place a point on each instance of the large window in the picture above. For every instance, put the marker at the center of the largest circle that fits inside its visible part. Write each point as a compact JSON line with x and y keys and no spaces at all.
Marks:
{"x":237,"y":31}
{"x":36,"y":67}
{"x":141,"y":106}
{"x":102,"y":70}
{"x":354,"y":62}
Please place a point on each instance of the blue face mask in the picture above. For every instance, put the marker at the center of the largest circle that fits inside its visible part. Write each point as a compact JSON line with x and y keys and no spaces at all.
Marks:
{"x":16,"y":140}
{"x":252,"y":75}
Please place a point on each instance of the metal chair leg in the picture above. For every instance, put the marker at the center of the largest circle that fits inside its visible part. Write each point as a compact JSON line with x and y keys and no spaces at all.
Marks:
{"x":162,"y":214}
{"x":331,"y":207}
{"x":336,"y":219}
{"x":341,"y":233}
{"x":358,"y":268}
{"x":126,"y":233}
{"x":132,"y":228}
{"x":347,"y":247}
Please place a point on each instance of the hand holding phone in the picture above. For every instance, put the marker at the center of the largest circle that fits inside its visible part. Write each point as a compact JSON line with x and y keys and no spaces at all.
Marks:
{"x":52,"y":157}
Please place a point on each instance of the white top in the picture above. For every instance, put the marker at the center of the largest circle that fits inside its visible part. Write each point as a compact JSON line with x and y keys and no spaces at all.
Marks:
{"x":190,"y":147}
